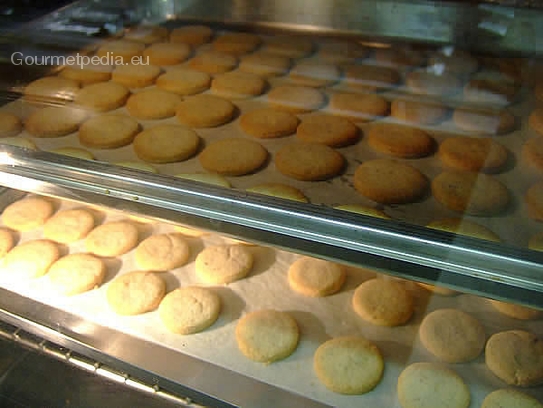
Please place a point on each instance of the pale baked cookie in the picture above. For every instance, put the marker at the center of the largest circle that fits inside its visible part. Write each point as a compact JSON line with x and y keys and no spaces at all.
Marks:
{"x":27,"y":214}
{"x":68,"y":226}
{"x":87,"y":74}
{"x":103,"y":96}
{"x":456,"y":63}
{"x":162,"y":252}
{"x":153,"y":104}
{"x":484,"y":121}
{"x":166,"y":144}
{"x":108,"y":131}
{"x":238,"y":85}
{"x":341,"y":52}
{"x":189,"y":310}
{"x":315,"y":277}
{"x":233,"y":156}
{"x":516,"y":311}
{"x":194,"y":35}
{"x":363,"y":209}
{"x":208,"y":178}
{"x":418,"y":112}
{"x":473,"y":154}
{"x":426,"y":83}
{"x":222,"y":264}
{"x":190,"y":232}
{"x":203,"y":111}
{"x":464,"y":227}
{"x":167,"y":53}
{"x":314,"y":74}
{"x":54,"y":121}
{"x":146,"y":34}
{"x":428,"y":385}
{"x":213,"y":62}
{"x":31,"y":259}
{"x":297,"y":99}
{"x":510,"y":398}
{"x":309,"y":161}
{"x":532,"y":152}
{"x":399,"y":57}
{"x":74,"y":152}
{"x":112,"y":239}
{"x":266,"y":336}
{"x":289,"y":46}
{"x":135,"y":293}
{"x":279,"y":190}
{"x":535,"y":120}
{"x":534,"y":201}
{"x":390,"y":182}
{"x":135,"y":76}
{"x":120,"y":52}
{"x":400,"y":141}
{"x":6,"y":242}
{"x":264,"y":65}
{"x":77,"y":273}
{"x":349,"y":365}
{"x":490,"y":91}
{"x":137,"y":166}
{"x":475,"y":194}
{"x":267,"y":123}
{"x":10,"y":124}
{"x":184,"y":81}
{"x":515,"y":357}
{"x":358,"y":107}
{"x":51,"y":89}
{"x":236,"y":43}
{"x":452,"y":335}
{"x":371,"y":77}
{"x":333,"y":131}
{"x":19,"y":142}
{"x":383,"y":302}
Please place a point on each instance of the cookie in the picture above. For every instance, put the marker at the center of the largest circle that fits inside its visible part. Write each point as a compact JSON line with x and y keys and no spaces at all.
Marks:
{"x":236,"y":43}
{"x":222,"y":264}
{"x":464,"y":227}
{"x":135,"y":76}
{"x":470,"y":193}
{"x":162,"y":252}
{"x":31,"y":259}
{"x":166,"y":144}
{"x":213,"y":62}
{"x":490,"y":91}
{"x":203,"y":111}
{"x":390,"y":182}
{"x":371,"y":77}
{"x":515,"y":357}
{"x":193,"y":35}
{"x":74,"y":152}
{"x":428,"y":385}
{"x":309,"y":161}
{"x":315,"y":277}
{"x":121,"y":51}
{"x":438,"y":290}
{"x":54,"y":121}
{"x":137,"y":166}
{"x":363,"y":209}
{"x":19,"y":142}
{"x":349,"y":365}
{"x":427,"y":83}
{"x":6,"y":242}
{"x":51,"y":90}
{"x":510,"y":398}
{"x":532,"y":152}
{"x":333,"y":131}
{"x":418,"y":112}
{"x":108,"y":131}
{"x":266,"y":336}
{"x":112,"y":239}
{"x":358,"y":107}
{"x":87,"y":74}
{"x":264,"y":65}
{"x":279,"y":190}
{"x":296,"y":99}
{"x":399,"y":57}
{"x":68,"y":226}
{"x":10,"y":125}
{"x":383,"y":302}
{"x":452,"y":335}
{"x":400,"y":141}
{"x":535,"y":120}
{"x":184,"y":81}
{"x":314,"y":74}
{"x":233,"y":156}
{"x":76,"y":273}
{"x":102,"y":97}
{"x":164,"y":54}
{"x":289,"y":46}
{"x":341,"y":52}
{"x":189,"y":310}
{"x":238,"y":85}
{"x":27,"y":214}
{"x":153,"y":104}
{"x":516,"y":311}
{"x":268,"y":123}
{"x":473,"y":154}
{"x":146,"y":34}
{"x":208,"y":178}
{"x":135,"y":293}
{"x":484,"y":121}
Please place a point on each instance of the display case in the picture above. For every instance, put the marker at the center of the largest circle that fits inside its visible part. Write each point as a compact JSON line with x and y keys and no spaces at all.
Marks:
{"x":400,"y":140}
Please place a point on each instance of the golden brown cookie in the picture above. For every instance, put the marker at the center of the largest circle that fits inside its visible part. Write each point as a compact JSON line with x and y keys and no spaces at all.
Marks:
{"x":266,"y":123}
{"x":418,"y":112}
{"x":135,"y":76}
{"x":490,"y":91}
{"x":19,"y":142}
{"x":236,"y":43}
{"x":464,"y":227}
{"x":238,"y":85}
{"x":534,"y":201}
{"x":162,"y":252}
{"x":167,"y":53}
{"x":112,"y":239}
{"x":51,"y":90}
{"x":31,"y":259}
{"x":213,"y":62}
{"x":153,"y":104}
{"x":166,"y":143}
{"x":233,"y":156}
{"x":87,"y":74}
{"x":77,"y":273}
{"x":289,"y":46}
{"x":103,"y":96}
{"x":203,"y":111}
{"x":279,"y":190}
{"x":184,"y":81}
{"x":74,"y":152}
{"x":341,"y":52}
{"x":54,"y":121}
{"x":510,"y":398}
{"x":358,"y":107}
{"x":135,"y":293}
{"x":264,"y":65}
{"x":400,"y":141}
{"x":484,"y":121}
{"x":426,"y":83}
{"x":516,"y":311}
{"x":473,"y":154}
{"x":221,"y":264}
{"x":27,"y":214}
{"x":297,"y":99}
{"x":193,"y":35}
{"x":371,"y":77}
{"x":333,"y":131}
{"x":7,"y":241}
{"x":68,"y":226}
{"x":121,"y":51}
{"x":314,"y":74}
{"x":108,"y":131}
{"x":10,"y":124}
{"x":315,"y":277}
{"x":532,"y":152}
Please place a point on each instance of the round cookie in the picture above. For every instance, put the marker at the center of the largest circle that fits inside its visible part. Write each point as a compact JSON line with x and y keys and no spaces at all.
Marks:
{"x":108,"y":131}
{"x":76,"y":273}
{"x":297,"y":99}
{"x":341,"y":52}
{"x":464,"y":227}
{"x":6,"y":242}
{"x":400,"y":141}
{"x":166,"y":144}
{"x":333,"y":131}
{"x":167,"y":53}
{"x":135,"y":76}
{"x":238,"y":85}
{"x":103,"y":96}
{"x":194,"y":35}
{"x":208,"y":178}
{"x":51,"y":89}
{"x":68,"y":226}
{"x":233,"y":156}
{"x":54,"y":121}
{"x":189,"y":310}
{"x":87,"y":74}
{"x":515,"y":357}
{"x":222,"y":264}
{"x":349,"y":365}
{"x":267,"y":123}
{"x":428,"y":385}
{"x":264,"y":65}
{"x":490,"y":91}
{"x":315,"y":277}
{"x":112,"y":239}
{"x":390,"y":182}
{"x":19,"y":142}
{"x":309,"y":161}
{"x":314,"y":74}
{"x":363,"y":209}
{"x":426,"y":83}
{"x":383,"y":302}
{"x":212,"y":62}
{"x":371,"y":77}
{"x":289,"y":46}
{"x":279,"y":190}
{"x":470,"y":193}
{"x":358,"y":107}
{"x":27,"y":214}
{"x":532,"y":152}
{"x":418,"y":112}
{"x":31,"y":259}
{"x":120,"y":51}
{"x":184,"y":81}
{"x":135,"y":293}
{"x":516,"y":311}
{"x":146,"y":34}
{"x":10,"y":125}
{"x":162,"y":252}
{"x":74,"y":152}
{"x":484,"y":121}
{"x":153,"y":104}
{"x":236,"y":43}
{"x":510,"y":398}
{"x":473,"y":154}
{"x":452,"y":336}
{"x":266,"y":336}
{"x":203,"y":111}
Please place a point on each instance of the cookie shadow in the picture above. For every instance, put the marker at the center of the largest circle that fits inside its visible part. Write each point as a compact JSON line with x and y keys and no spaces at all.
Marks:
{"x":144,"y":230}
{"x":196,"y":245}
{"x":396,"y":352}
{"x":113,"y":266}
{"x":311,"y":328}
{"x":264,"y":258}
{"x":232,"y":305}
{"x":355,"y":277}
{"x":172,"y":281}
